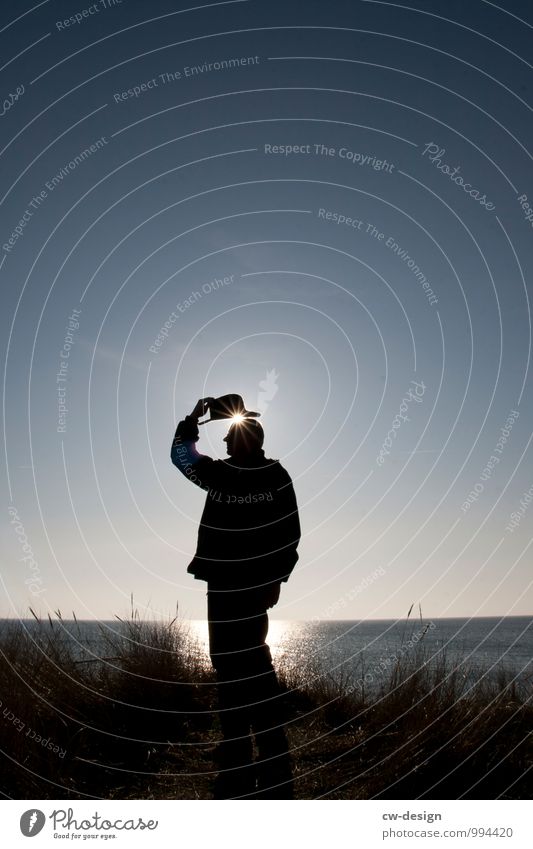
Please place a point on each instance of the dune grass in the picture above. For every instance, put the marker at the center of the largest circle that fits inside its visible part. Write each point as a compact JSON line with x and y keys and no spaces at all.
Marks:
{"x":137,"y":720}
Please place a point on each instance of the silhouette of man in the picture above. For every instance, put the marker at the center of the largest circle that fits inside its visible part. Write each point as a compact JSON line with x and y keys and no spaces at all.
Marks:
{"x":247,"y":541}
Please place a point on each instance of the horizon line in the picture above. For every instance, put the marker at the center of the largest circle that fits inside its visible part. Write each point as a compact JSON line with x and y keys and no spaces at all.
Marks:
{"x":280,"y":619}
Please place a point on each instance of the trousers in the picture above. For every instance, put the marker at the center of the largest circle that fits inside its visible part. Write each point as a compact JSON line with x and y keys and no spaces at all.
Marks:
{"x":250,"y":700}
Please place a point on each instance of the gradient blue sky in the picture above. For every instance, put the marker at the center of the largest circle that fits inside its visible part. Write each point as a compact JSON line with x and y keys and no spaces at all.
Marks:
{"x":181,"y":193}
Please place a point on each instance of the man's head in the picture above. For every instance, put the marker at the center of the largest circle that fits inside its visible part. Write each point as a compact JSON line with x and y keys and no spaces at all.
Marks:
{"x":244,"y":438}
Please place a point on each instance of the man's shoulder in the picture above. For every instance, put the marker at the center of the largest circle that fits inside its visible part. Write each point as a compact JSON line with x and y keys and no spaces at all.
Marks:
{"x":264,"y":467}
{"x":279,"y":473}
{"x":274,"y":466}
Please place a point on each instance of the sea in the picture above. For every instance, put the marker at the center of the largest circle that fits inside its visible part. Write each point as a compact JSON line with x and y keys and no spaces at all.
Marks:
{"x":367,"y":649}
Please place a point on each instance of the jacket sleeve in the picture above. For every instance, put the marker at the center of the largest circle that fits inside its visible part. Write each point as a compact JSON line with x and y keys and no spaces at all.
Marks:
{"x":198,"y":468}
{"x":294,"y":531}
{"x":286,"y":532}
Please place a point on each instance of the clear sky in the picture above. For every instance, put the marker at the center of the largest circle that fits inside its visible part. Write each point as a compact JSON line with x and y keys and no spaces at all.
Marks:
{"x":323,"y":207}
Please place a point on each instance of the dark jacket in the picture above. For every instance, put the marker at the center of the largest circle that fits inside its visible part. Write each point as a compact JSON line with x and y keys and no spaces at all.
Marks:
{"x":249,"y":530}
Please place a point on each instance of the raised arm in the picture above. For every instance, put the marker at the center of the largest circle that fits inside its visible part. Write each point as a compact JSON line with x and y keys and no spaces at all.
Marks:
{"x":183,"y":453}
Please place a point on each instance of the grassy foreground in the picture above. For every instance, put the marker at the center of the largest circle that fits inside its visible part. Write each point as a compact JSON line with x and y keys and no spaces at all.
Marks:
{"x":141,"y":723}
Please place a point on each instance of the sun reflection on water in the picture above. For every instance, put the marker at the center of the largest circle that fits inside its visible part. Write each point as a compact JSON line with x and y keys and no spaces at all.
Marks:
{"x":283,"y":637}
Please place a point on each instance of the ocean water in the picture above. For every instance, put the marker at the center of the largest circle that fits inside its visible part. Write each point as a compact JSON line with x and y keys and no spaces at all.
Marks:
{"x":353,"y":649}
{"x":479,"y":646}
